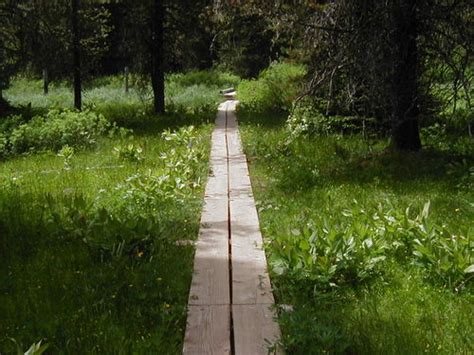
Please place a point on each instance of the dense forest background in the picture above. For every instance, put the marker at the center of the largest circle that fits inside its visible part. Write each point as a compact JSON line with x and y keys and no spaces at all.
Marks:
{"x":394,"y":61}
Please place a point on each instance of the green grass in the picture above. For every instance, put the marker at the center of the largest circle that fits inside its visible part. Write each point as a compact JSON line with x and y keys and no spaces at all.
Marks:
{"x":192,"y":94}
{"x":91,"y":252}
{"x":62,"y":281}
{"x":362,"y":273}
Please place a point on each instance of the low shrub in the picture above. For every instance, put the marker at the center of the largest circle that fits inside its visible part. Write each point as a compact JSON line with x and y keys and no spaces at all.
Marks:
{"x":210,"y":78}
{"x":57,"y":129}
{"x":307,"y":117}
{"x":324,"y":255}
{"x":275,"y":89}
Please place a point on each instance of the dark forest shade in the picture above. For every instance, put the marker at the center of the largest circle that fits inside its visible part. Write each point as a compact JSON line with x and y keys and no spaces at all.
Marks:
{"x":406,"y":134}
{"x":76,"y":54}
{"x":157,"y":55}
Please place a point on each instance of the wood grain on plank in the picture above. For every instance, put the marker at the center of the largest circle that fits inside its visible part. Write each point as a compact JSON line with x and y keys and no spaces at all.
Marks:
{"x":208,"y":322}
{"x":255,"y":330}
{"x":229,"y":193}
{"x":208,"y":330}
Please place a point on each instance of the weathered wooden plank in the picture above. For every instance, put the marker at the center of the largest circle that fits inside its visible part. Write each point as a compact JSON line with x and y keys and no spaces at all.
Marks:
{"x":208,"y":322}
{"x":254,"y":329}
{"x":250,"y":280}
{"x":229,"y":193}
{"x":210,"y":283}
{"x":208,"y":330}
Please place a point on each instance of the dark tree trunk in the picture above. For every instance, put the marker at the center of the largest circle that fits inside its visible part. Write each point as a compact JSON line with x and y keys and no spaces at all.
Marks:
{"x":406,"y":134}
{"x":3,"y":103}
{"x":157,"y":55}
{"x":76,"y":47}
{"x":45,"y":82}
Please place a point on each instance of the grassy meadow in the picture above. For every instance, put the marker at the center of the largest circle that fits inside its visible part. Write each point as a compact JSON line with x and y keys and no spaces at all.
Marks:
{"x":370,"y":251}
{"x":97,"y":211}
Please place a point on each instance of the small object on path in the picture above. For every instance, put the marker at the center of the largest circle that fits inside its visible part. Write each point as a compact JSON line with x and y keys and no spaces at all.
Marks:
{"x":228,"y":93}
{"x":231,"y":304}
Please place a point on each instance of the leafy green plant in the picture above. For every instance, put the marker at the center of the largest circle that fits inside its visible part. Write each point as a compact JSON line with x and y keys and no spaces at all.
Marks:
{"x":130,"y":152}
{"x":34,"y":349}
{"x":57,"y":129}
{"x":328,"y":256}
{"x":67,"y":153}
{"x":274,"y":89}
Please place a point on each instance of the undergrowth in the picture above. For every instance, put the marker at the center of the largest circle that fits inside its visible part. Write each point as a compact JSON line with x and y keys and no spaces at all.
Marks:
{"x":93,"y":216}
{"x":370,"y":251}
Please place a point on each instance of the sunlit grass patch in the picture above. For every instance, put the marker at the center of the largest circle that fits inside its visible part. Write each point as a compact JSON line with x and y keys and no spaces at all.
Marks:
{"x":91,"y":257}
{"x":371,"y":248}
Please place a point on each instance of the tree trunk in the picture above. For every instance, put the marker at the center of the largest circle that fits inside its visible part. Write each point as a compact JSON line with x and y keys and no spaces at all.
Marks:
{"x":157,"y":55}
{"x":45,"y":82}
{"x":405,"y":133}
{"x":3,"y":103}
{"x":76,"y":47}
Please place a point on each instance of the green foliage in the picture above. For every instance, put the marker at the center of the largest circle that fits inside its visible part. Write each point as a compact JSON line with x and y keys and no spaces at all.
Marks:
{"x":274,"y":89}
{"x":67,"y":153}
{"x":57,"y":129}
{"x":349,"y":249}
{"x":193,"y":94}
{"x":307,"y":117}
{"x":354,"y":248}
{"x":243,"y":41}
{"x":129,"y":152}
{"x":3,"y":145}
{"x":437,"y":136}
{"x":103,"y":239}
{"x":210,"y":78}
{"x":195,"y":100}
{"x":197,"y":92}
{"x":34,"y":349}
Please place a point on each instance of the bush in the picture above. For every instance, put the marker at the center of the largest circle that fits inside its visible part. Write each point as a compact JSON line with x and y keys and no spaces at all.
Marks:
{"x":57,"y":129}
{"x":308,"y":117}
{"x":274,"y":90}
{"x":211,"y":78}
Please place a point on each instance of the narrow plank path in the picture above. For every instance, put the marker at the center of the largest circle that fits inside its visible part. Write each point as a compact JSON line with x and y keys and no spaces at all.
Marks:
{"x":230,"y":301}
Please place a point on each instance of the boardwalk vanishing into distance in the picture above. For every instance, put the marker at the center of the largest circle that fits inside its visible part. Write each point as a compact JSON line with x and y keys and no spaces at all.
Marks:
{"x":230,"y":308}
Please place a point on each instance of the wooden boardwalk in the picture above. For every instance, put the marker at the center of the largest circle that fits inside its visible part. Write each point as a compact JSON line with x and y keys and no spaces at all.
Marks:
{"x":230,"y":301}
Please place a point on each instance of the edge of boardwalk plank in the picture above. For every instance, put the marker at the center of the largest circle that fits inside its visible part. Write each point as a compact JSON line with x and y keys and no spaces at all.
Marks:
{"x":213,"y":324}
{"x":250,"y":280}
{"x":253,"y":320}
{"x":255,"y":330}
{"x":208,"y":330}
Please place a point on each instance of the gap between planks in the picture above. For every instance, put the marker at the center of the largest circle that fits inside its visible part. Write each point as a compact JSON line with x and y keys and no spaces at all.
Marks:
{"x":230,"y":307}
